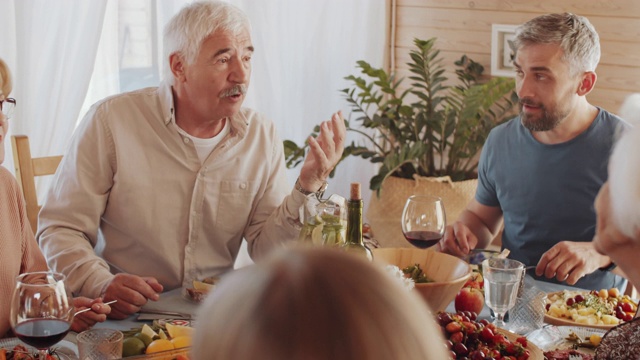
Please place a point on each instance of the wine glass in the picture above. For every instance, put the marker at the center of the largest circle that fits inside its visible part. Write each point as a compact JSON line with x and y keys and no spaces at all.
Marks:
{"x":501,"y":283}
{"x":423,"y":220}
{"x":41,"y":310}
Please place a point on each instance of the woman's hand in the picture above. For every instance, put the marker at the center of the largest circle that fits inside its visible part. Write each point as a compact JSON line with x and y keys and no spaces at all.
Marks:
{"x":87,"y":319}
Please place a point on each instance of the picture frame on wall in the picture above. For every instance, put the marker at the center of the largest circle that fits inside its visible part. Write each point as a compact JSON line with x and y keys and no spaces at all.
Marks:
{"x":501,"y":52}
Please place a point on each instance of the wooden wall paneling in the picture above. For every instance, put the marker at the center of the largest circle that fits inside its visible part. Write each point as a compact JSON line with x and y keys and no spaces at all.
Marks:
{"x":464,"y":27}
{"x":622,"y":8}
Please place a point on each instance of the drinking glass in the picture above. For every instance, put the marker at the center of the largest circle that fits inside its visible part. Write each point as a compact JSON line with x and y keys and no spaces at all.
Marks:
{"x":100,"y":344}
{"x":501,"y":283}
{"x":41,"y":310}
{"x":423,"y":220}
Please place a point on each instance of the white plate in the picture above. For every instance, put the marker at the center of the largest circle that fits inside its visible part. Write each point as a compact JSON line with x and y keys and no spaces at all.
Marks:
{"x":553,"y":337}
{"x":66,"y":349}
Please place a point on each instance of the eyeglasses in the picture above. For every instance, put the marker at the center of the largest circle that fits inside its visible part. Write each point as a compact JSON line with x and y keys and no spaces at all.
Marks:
{"x":7,"y":106}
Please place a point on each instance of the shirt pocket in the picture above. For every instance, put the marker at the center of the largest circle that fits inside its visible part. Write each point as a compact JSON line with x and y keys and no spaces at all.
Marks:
{"x":236,"y":201}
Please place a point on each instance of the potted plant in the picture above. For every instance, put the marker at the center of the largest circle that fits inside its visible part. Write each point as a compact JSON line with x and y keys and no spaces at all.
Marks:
{"x":429,"y":130}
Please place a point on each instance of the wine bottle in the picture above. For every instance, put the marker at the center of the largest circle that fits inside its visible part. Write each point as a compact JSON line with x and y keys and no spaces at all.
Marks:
{"x":354,"y":241}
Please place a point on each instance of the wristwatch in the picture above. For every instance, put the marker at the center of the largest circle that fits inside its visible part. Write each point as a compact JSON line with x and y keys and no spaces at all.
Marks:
{"x":609,"y":267}
{"x":318,"y":193}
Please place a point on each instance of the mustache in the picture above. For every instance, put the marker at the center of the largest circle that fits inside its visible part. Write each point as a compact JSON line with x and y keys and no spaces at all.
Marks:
{"x":239,"y":89}
{"x":525,"y":101}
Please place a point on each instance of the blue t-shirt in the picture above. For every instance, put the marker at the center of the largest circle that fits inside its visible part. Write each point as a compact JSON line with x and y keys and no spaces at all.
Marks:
{"x":546,"y":192}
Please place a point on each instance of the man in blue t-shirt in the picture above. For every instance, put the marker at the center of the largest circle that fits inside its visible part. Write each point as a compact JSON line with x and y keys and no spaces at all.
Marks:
{"x":541,"y":171}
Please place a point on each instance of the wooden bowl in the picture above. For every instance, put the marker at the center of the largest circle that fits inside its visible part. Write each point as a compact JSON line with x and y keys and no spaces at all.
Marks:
{"x":448,"y":272}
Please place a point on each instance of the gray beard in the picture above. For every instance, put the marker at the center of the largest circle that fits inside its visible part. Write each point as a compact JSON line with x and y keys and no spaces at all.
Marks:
{"x":548,"y":121}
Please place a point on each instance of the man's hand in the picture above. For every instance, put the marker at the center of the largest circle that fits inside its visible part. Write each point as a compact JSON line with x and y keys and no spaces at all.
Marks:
{"x":132,"y":292}
{"x":458,"y":240}
{"x":324,"y":153}
{"x":569,"y":261}
{"x":87,"y":319}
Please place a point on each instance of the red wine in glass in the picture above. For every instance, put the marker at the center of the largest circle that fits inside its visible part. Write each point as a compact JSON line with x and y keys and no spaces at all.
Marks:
{"x":42,"y":333}
{"x":423,"y":220}
{"x":423,"y":239}
{"x":41,"y":309}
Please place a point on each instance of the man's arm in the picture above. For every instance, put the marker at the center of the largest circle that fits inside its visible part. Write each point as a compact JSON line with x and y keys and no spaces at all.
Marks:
{"x":283,"y":223}
{"x":476,"y":226}
{"x":70,"y":219}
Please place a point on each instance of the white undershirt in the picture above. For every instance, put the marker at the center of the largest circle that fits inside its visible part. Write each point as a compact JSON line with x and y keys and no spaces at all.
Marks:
{"x":204,"y":147}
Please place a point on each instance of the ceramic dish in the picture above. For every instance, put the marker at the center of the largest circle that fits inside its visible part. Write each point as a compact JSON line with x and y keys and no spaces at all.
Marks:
{"x":66,"y":349}
{"x":565,"y":321}
{"x":165,"y":355}
{"x":555,"y":337}
{"x":535,"y":351}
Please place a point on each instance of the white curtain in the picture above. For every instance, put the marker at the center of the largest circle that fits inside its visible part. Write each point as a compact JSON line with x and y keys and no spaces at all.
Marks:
{"x":304,"y":49}
{"x":50,"y":48}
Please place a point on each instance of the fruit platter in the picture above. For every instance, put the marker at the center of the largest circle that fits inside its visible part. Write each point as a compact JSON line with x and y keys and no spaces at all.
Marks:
{"x":468,"y":338}
{"x":602,"y":309}
{"x":163,"y":340}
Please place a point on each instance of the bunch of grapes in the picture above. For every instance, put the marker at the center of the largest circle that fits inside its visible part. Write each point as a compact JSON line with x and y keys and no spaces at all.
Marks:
{"x":469,"y":339}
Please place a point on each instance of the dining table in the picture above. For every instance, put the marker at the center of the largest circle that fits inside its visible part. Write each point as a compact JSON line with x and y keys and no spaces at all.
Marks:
{"x":174,"y":301}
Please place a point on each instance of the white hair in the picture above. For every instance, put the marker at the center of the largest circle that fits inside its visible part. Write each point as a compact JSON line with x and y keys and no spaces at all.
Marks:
{"x":630,"y":109}
{"x":624,"y":180}
{"x":186,"y":31}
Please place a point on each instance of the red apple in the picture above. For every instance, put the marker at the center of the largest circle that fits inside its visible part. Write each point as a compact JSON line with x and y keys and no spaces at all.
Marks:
{"x":475,"y":281}
{"x":469,"y":299}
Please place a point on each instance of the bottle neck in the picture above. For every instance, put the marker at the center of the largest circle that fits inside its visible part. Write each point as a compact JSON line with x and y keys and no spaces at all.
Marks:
{"x":354,"y":222}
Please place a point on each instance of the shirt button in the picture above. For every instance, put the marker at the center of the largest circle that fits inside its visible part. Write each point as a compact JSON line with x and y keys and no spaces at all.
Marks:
{"x":186,"y":140}
{"x":243,"y":186}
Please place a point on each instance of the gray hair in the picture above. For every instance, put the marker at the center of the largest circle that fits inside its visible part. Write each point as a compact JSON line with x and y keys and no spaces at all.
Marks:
{"x":186,"y":31}
{"x":578,"y":39}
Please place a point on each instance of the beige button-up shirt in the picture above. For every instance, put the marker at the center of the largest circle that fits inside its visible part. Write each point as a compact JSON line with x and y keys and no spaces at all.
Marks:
{"x":132,"y":196}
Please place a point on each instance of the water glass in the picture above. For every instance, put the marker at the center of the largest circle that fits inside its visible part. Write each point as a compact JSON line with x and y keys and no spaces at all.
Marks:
{"x":528,"y":313}
{"x":100,"y":344}
{"x":502,"y":281}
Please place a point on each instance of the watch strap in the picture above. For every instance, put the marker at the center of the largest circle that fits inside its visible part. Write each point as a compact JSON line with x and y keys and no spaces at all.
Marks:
{"x":609,"y":267}
{"x":318,"y":193}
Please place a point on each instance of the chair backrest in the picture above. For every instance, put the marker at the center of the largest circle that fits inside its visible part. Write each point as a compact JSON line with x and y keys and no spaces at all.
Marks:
{"x":27,"y":168}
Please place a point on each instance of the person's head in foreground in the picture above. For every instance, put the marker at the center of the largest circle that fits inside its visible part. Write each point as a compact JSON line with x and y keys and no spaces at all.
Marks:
{"x":618,"y":207}
{"x":314,"y":303}
{"x":556,"y":56}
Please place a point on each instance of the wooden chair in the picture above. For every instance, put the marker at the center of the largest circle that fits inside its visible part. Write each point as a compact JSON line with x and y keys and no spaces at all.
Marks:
{"x":27,"y":168}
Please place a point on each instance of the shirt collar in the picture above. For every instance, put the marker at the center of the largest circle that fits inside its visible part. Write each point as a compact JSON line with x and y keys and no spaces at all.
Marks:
{"x":165,"y":95}
{"x":239,"y":122}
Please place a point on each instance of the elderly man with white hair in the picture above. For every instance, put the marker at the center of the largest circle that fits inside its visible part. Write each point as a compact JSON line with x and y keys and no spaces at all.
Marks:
{"x":161,"y":185}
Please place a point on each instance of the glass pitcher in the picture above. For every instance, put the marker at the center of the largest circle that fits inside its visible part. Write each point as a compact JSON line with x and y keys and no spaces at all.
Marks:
{"x":325,"y":220}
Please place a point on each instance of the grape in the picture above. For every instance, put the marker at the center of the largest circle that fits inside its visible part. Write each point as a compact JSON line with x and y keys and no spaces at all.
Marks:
{"x":460,"y":349}
{"x":579,"y":298}
{"x":570,"y":301}
{"x":444,"y":318}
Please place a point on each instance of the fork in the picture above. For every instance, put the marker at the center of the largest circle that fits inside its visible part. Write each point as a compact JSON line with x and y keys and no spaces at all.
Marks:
{"x":575,"y":357}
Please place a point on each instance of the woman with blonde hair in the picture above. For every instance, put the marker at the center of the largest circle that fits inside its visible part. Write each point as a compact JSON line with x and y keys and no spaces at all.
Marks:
{"x":19,"y":252}
{"x":314,"y":303}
